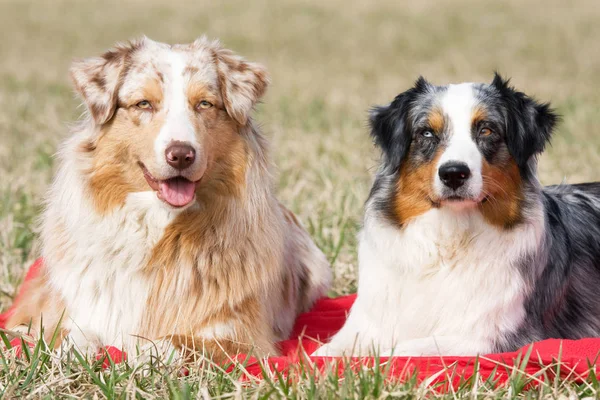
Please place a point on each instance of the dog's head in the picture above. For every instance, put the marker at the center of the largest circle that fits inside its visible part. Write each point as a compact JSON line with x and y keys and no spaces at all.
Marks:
{"x":461,"y":146}
{"x":166,"y":118}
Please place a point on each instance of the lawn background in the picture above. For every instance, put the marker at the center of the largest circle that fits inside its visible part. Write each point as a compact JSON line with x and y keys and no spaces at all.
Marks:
{"x":329,"y":62}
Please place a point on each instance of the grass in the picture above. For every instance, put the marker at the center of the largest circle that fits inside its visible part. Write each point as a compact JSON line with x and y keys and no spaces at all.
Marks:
{"x":329,"y":61}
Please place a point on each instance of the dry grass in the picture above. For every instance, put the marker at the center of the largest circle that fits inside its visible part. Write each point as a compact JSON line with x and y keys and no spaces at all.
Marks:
{"x":330,"y":61}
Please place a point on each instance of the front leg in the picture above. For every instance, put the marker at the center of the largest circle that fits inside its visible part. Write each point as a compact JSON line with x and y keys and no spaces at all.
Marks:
{"x":359,"y":336}
{"x":219,"y":342}
{"x":218,"y":350}
{"x":440,"y":346}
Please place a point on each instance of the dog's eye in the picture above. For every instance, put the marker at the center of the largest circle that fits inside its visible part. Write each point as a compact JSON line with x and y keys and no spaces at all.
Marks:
{"x":485,"y":132}
{"x":204,"y":105}
{"x":428,"y":134}
{"x":144,"y":105}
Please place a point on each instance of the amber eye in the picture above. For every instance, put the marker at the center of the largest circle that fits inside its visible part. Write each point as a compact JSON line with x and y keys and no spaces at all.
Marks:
{"x":485,"y":132}
{"x":144,"y":105}
{"x":204,"y":105}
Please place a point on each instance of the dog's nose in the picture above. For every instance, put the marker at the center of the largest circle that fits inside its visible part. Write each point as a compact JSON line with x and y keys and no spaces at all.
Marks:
{"x":180,"y":155}
{"x":454,"y":174}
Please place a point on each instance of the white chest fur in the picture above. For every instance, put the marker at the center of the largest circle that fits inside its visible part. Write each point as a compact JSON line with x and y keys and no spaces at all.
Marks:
{"x":99,"y":274}
{"x":445,"y":274}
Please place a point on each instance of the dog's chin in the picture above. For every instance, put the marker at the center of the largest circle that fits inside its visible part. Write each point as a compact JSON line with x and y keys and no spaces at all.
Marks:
{"x":460,"y":203}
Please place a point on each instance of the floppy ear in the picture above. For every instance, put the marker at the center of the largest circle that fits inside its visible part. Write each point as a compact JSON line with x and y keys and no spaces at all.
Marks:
{"x":529,"y":124}
{"x":97,"y":80}
{"x":390,"y":126}
{"x":242,"y":84}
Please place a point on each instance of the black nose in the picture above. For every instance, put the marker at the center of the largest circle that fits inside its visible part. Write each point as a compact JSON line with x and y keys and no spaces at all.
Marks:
{"x":180,"y":155}
{"x":454,"y":174}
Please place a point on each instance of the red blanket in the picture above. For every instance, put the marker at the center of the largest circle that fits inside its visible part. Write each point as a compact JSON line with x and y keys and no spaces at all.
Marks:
{"x":328,"y":316}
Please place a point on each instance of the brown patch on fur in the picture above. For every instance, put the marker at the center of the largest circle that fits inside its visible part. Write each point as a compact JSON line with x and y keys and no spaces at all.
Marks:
{"x":159,"y":74}
{"x":122,"y":50}
{"x":153,"y":91}
{"x":198,"y":91}
{"x":226,"y":175}
{"x":189,"y":70}
{"x":109,"y":188}
{"x":107,"y":182}
{"x":413,"y":190}
{"x":223,"y":285}
{"x":290,"y":217}
{"x":502,"y":186}
{"x":87,"y":147}
{"x":226,"y":151}
{"x":114,"y":171}
{"x":242,"y":83}
{"x":436,"y":120}
{"x":98,"y":79}
{"x":479,"y":114}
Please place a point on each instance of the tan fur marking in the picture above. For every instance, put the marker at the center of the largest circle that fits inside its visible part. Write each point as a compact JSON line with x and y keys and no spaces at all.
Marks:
{"x":153,"y":92}
{"x":502,"y":186}
{"x":413,"y":190}
{"x":98,"y":79}
{"x":87,"y":147}
{"x":109,"y":188}
{"x":198,"y":91}
{"x":228,"y":175}
{"x":435,"y":120}
{"x":189,"y":70}
{"x":479,"y":114}
{"x":115,"y":171}
{"x":107,"y":184}
{"x":227,"y":155}
{"x":242,"y":83}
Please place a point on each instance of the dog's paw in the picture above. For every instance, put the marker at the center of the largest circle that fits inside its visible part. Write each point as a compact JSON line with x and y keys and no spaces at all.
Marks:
{"x":88,"y":348}
{"x":159,"y":352}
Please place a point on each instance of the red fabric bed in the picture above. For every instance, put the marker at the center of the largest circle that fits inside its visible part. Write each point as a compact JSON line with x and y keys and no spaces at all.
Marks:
{"x":328,"y":316}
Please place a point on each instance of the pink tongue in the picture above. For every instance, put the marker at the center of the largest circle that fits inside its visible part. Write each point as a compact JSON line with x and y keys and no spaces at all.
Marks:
{"x":178,"y":192}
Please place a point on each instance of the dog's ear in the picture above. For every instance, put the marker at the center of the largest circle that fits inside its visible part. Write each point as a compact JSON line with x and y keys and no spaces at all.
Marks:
{"x":242,"y":83}
{"x":529,"y":124}
{"x":388,"y":129}
{"x":390,"y":125}
{"x":97,"y":80}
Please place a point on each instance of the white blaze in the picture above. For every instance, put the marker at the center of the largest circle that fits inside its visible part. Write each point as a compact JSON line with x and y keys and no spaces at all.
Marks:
{"x":458,"y":104}
{"x":177,"y":124}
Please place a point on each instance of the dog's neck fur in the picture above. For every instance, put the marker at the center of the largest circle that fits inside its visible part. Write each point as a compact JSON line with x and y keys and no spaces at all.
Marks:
{"x":446,"y":257}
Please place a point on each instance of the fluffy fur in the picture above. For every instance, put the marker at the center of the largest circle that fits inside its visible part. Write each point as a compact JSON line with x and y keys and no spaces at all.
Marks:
{"x":463,"y":252}
{"x":132,"y":256}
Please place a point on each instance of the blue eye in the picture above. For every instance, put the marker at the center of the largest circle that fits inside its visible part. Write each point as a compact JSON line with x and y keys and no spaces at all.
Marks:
{"x":428,"y":134}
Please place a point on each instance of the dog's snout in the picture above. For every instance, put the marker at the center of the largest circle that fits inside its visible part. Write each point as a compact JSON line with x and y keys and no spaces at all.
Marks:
{"x":180,"y":155}
{"x":454,"y":175}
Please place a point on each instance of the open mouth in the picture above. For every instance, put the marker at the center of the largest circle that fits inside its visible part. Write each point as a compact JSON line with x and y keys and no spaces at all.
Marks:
{"x":177,"y":191}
